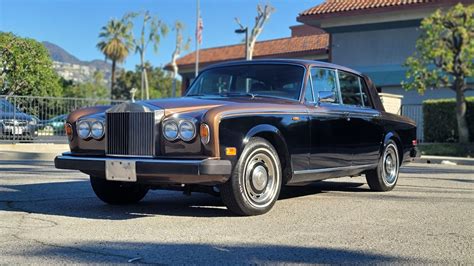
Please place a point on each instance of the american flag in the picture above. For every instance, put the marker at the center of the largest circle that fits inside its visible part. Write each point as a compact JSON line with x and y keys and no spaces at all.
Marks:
{"x":199,"y":28}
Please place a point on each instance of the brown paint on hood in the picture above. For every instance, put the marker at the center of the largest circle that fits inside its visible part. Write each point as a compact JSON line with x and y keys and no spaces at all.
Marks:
{"x":189,"y":104}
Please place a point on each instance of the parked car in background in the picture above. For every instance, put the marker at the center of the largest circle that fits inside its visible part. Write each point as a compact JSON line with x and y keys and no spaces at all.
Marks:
{"x":15,"y":123}
{"x":54,"y":126}
{"x":244,"y":129}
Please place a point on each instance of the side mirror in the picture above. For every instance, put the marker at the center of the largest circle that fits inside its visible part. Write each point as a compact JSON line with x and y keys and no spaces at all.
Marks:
{"x":326,"y":97}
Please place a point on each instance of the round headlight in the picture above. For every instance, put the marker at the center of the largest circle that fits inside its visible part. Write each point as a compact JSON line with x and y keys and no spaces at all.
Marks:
{"x":84,"y":129}
{"x":170,"y":130}
{"x":187,"y":130}
{"x":97,"y":130}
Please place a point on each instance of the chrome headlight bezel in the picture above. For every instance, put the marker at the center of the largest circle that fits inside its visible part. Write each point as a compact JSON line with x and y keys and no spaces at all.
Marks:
{"x":170,"y":123}
{"x":87,"y":133}
{"x":191,"y":125}
{"x":101,"y":132}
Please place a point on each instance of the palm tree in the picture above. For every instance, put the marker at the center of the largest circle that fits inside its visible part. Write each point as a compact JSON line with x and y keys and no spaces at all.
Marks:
{"x":152,"y":29}
{"x":115,"y":42}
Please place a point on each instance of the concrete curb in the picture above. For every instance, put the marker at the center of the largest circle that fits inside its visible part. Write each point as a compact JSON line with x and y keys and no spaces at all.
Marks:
{"x":31,"y":151}
{"x":25,"y":156}
{"x":445,"y":160}
{"x":48,"y":151}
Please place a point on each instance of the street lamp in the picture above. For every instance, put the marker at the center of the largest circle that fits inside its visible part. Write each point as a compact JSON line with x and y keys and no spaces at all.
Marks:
{"x":246,"y":31}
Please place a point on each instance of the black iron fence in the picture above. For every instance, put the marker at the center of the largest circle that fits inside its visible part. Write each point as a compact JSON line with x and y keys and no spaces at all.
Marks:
{"x":415,"y":112}
{"x":39,"y":119}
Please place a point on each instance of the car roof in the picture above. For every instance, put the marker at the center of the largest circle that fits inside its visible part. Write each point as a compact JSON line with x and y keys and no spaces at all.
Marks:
{"x":302,"y":62}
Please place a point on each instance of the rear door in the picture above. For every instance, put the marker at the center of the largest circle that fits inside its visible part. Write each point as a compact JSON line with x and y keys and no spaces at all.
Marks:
{"x":366,"y":130}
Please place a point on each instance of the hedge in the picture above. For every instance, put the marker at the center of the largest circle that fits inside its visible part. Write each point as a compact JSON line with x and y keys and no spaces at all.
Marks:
{"x":439,"y":117}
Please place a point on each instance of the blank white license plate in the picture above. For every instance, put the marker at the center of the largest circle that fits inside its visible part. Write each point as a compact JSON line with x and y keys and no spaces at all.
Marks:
{"x":120,"y":170}
{"x":15,"y":130}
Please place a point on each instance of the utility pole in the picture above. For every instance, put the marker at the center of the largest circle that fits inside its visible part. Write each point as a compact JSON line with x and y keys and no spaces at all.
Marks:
{"x":246,"y":31}
{"x":198,"y":17}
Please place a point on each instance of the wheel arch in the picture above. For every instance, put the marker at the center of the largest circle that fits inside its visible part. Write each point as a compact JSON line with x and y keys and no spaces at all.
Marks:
{"x":395,"y":137}
{"x":273,"y":135}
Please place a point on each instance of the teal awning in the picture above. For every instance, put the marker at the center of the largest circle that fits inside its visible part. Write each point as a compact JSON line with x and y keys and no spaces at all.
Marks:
{"x":391,"y":75}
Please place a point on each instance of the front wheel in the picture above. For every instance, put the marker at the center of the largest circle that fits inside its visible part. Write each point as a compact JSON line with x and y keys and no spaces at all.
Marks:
{"x":256,"y":180}
{"x":117,"y":193}
{"x":385,"y":176}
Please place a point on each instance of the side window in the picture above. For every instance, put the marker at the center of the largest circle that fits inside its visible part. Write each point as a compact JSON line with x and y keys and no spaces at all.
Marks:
{"x":350,"y":89}
{"x":324,"y":80}
{"x":308,"y":96}
{"x":365,"y":94}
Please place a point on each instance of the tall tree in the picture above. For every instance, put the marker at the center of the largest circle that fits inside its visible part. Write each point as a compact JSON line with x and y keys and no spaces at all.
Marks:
{"x":26,"y":68}
{"x":152,"y":29}
{"x":444,"y":57}
{"x":263,"y":15}
{"x":94,"y":89}
{"x":178,"y":28}
{"x":115,"y":43}
{"x":161,"y":82}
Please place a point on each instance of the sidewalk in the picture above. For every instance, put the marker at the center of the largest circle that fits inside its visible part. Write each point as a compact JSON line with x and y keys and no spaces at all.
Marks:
{"x":47,"y":152}
{"x":445,"y":160}
{"x":31,"y":151}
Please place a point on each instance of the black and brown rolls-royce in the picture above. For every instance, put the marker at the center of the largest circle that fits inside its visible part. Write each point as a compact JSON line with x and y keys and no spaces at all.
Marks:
{"x":244,"y":129}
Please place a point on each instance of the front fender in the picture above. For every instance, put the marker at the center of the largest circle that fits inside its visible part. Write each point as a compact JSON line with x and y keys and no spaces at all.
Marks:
{"x":264,"y":128}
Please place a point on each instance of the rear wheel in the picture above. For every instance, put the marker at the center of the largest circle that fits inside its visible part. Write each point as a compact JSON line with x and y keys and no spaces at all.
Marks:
{"x":385,"y":176}
{"x":256,"y":180}
{"x":117,"y":193}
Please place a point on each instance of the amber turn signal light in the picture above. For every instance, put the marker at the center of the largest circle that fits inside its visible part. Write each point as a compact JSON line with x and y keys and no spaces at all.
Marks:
{"x":204,"y":133}
{"x":231,"y":151}
{"x":68,"y":129}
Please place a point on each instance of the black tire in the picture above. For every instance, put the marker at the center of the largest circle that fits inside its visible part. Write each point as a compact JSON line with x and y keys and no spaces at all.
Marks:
{"x":117,"y":193}
{"x":385,"y":176}
{"x":255,"y":183}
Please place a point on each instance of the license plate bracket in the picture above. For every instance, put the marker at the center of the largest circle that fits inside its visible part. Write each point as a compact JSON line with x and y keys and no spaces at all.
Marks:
{"x":121,"y":170}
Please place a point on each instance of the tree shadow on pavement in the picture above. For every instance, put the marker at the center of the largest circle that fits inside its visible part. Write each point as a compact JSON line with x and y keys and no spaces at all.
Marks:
{"x":184,"y":253}
{"x":76,"y":199}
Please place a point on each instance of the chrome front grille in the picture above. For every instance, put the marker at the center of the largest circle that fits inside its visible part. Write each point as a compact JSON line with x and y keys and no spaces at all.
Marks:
{"x":131,"y":133}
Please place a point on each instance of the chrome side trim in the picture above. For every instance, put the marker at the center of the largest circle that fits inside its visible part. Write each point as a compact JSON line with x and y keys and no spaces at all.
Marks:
{"x":334,"y":169}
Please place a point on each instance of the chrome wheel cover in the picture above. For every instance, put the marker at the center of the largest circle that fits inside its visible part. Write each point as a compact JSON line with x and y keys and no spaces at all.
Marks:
{"x":261,"y":178}
{"x":390,"y":165}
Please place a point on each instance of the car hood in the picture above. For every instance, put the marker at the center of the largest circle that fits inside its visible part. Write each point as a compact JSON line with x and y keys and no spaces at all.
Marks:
{"x":17,"y":116}
{"x":197,"y":104}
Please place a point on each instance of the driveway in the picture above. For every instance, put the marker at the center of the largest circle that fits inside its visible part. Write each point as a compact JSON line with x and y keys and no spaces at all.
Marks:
{"x":52,"y":216}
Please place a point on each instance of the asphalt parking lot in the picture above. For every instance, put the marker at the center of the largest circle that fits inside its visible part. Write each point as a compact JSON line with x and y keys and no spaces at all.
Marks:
{"x":52,"y":216}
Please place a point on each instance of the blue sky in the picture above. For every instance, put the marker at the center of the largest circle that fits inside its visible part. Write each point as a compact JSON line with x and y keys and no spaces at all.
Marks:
{"x":75,"y":24}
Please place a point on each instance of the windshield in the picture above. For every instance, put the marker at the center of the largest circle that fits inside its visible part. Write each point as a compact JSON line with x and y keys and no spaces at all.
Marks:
{"x":271,"y":80}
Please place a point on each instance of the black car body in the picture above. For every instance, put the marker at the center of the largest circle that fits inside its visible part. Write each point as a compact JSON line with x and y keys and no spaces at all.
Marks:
{"x":244,"y":128}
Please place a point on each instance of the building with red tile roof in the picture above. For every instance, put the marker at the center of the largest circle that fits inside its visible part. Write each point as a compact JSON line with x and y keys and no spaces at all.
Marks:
{"x":306,"y":42}
{"x":372,"y":36}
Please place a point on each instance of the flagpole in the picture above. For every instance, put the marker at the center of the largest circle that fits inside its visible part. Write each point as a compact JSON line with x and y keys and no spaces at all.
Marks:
{"x":197,"y":41}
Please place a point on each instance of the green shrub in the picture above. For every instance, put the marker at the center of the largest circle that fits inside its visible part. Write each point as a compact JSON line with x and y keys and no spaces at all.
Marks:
{"x":447,"y":149}
{"x":440,"y":123}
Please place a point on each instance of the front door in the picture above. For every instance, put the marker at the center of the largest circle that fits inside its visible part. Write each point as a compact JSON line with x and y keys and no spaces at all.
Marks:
{"x":331,"y":141}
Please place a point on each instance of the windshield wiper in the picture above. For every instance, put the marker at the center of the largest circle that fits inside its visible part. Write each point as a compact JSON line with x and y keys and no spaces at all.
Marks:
{"x":238,"y":94}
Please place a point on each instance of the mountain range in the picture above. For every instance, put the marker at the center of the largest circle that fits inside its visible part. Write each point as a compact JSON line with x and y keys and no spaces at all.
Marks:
{"x":60,"y":55}
{"x":71,"y":68}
